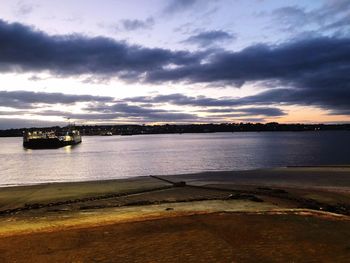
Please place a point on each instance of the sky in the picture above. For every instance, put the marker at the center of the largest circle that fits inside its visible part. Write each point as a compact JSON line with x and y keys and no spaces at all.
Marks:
{"x":174,"y":61}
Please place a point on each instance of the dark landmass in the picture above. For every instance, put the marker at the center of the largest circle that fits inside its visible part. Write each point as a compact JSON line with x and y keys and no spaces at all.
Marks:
{"x":186,"y":128}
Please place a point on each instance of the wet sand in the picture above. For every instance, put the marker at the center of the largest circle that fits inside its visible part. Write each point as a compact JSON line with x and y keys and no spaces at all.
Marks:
{"x":274,"y":215}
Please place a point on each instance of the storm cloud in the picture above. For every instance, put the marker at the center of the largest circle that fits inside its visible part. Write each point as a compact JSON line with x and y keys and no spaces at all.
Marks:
{"x":137,"y":109}
{"x":183,"y":100}
{"x":143,"y":113}
{"x":23,"y":49}
{"x":301,"y":72}
{"x":215,"y":105}
{"x":208,"y":38}
{"x":299,"y":61}
{"x":313,"y":71}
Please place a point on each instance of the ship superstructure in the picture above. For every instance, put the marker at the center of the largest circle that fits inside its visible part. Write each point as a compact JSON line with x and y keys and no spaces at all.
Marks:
{"x":50,"y":139}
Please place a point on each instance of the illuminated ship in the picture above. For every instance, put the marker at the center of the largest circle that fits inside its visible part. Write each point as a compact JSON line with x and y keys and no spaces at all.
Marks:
{"x":50,"y":140}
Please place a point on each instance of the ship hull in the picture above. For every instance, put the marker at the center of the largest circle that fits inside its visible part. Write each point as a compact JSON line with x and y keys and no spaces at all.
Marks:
{"x":52,"y":143}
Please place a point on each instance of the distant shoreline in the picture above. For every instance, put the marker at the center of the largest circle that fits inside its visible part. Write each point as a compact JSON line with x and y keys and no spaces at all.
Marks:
{"x":170,"y":133}
{"x":125,"y":130}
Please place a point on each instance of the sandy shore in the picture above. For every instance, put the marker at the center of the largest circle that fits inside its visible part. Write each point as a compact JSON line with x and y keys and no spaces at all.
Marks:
{"x":296,"y":214}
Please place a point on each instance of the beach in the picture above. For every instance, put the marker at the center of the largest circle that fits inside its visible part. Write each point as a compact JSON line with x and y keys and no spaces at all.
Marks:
{"x":298,"y":214}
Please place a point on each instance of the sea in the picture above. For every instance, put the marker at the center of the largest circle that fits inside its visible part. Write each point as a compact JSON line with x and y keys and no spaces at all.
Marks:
{"x":115,"y":157}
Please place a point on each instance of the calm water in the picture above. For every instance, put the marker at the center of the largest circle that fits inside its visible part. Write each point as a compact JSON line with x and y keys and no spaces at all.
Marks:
{"x":126,"y":156}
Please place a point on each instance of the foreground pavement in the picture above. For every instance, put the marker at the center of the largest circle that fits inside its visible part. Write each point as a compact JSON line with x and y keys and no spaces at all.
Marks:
{"x":298,"y":214}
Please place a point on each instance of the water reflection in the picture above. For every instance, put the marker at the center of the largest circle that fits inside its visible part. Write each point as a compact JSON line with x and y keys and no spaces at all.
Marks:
{"x":125,"y":156}
{"x":68,"y":149}
{"x":27,"y":150}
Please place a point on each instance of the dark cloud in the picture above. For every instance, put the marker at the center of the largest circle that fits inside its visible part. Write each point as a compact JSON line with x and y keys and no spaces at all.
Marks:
{"x":81,"y":116}
{"x":118,"y":112}
{"x":11,"y":113}
{"x":125,"y":112}
{"x":28,"y":99}
{"x":335,"y":101}
{"x":301,"y":59}
{"x":237,"y":112}
{"x":145,"y":109}
{"x":24,"y":49}
{"x":310,"y":71}
{"x":303,"y":72}
{"x":341,"y":23}
{"x":175,"y":6}
{"x":144,"y":113}
{"x":226,"y":104}
{"x":135,"y":24}
{"x":208,"y":38}
{"x":183,"y":100}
